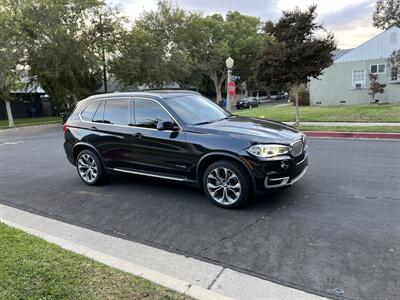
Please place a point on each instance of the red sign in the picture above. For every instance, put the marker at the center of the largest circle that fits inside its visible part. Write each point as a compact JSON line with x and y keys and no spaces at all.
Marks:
{"x":231,"y":88}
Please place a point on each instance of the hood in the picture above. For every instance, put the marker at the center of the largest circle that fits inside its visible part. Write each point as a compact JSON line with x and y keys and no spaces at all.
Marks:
{"x":253,"y":130}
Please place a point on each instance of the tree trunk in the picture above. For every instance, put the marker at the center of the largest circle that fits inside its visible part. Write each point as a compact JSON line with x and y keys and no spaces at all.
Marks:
{"x":218,"y":93}
{"x":218,"y":85}
{"x":9,"y":114}
{"x":297,"y":89}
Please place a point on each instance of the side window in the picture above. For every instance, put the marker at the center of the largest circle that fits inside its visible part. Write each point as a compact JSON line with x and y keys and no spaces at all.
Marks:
{"x":148,"y":113}
{"x":99,"y":115}
{"x":117,"y":112}
{"x":88,"y":112}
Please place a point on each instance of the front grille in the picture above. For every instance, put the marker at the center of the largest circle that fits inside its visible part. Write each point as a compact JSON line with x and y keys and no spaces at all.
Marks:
{"x":297,"y":148}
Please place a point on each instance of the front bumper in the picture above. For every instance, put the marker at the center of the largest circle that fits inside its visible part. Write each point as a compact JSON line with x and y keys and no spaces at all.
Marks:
{"x":283,"y":181}
{"x":277,"y":172}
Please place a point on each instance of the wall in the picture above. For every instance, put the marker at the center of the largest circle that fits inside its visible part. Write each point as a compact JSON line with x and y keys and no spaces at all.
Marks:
{"x":335,"y":85}
{"x":21,"y":107}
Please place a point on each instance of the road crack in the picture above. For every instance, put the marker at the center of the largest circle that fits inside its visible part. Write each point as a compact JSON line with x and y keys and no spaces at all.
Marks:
{"x":236,"y":233}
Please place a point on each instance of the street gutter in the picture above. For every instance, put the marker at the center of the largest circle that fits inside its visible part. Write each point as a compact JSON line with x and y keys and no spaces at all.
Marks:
{"x":353,"y":135}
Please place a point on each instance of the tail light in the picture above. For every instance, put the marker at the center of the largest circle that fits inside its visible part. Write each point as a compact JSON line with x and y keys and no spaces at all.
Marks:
{"x":65,"y":128}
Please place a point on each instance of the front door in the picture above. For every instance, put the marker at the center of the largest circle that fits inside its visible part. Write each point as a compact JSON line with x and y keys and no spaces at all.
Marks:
{"x":158,"y":151}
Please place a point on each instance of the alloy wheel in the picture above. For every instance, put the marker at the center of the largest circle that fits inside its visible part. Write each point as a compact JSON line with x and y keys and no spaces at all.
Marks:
{"x":224,"y":186}
{"x":87,"y":168}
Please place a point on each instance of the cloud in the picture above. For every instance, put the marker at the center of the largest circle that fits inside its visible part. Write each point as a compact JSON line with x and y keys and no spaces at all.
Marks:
{"x":349,"y":20}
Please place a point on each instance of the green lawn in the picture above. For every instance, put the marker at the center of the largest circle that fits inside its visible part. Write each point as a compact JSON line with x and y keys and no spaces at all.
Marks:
{"x":31,"y":268}
{"x":345,"y":113}
{"x":352,"y":128}
{"x":31,"y":121}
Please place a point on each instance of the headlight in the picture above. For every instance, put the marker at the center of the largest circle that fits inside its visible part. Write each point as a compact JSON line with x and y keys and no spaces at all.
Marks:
{"x":268,"y":150}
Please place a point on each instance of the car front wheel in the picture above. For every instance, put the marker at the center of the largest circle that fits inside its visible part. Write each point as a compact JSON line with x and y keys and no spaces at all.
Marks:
{"x":226,"y":184}
{"x":90,"y":168}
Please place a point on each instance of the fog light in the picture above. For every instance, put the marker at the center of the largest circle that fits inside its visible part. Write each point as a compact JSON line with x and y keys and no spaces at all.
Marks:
{"x":285,"y":164}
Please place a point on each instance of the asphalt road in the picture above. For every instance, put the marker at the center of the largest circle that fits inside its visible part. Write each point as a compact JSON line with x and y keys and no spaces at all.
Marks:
{"x":337,"y":230}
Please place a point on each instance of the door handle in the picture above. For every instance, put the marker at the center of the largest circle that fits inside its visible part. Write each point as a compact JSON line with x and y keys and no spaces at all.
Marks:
{"x":138,"y":135}
{"x":93,"y":128}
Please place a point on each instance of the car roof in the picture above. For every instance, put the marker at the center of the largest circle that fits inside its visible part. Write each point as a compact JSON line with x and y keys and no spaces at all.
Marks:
{"x":155,"y":94}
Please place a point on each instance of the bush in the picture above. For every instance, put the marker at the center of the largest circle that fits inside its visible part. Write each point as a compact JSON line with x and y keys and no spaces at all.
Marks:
{"x":304,"y":96}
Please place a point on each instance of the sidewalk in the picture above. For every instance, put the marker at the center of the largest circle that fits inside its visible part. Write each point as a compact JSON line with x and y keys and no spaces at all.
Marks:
{"x":343,"y":124}
{"x":188,"y":276}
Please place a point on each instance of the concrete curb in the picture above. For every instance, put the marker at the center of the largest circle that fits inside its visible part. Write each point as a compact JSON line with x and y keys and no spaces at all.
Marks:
{"x":182,"y":287}
{"x":353,"y":135}
{"x":30,"y":127}
{"x":187,"y":276}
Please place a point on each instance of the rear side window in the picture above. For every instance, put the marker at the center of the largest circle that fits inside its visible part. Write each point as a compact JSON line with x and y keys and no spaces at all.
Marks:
{"x":117,"y":112}
{"x":148,"y":113}
{"x":88,"y":112}
{"x":99,"y":115}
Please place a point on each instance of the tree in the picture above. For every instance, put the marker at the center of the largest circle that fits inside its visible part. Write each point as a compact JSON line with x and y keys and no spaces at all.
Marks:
{"x":62,"y":50}
{"x":106,"y":34}
{"x":375,"y":86}
{"x":173,"y":45}
{"x":150,"y":54}
{"x":387,"y":14}
{"x":11,"y":57}
{"x":212,"y":39}
{"x":297,"y":53}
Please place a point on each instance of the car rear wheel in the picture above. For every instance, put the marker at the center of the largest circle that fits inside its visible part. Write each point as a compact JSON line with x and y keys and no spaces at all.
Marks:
{"x":226,"y":184}
{"x":90,"y":168}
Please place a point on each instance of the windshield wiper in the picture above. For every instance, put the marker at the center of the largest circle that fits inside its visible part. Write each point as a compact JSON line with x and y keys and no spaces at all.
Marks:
{"x":213,"y":121}
{"x":206,"y":122}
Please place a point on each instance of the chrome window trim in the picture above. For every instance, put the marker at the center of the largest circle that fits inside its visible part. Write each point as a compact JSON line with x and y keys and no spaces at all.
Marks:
{"x":133,"y":126}
{"x":80,"y":117}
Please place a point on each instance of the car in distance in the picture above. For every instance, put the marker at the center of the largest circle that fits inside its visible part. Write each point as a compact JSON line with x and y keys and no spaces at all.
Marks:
{"x":183,"y":136}
{"x":247,"y":103}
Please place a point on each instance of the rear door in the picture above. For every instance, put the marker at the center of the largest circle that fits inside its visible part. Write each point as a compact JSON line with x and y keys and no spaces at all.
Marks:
{"x":155,"y":150}
{"x":112,"y":127}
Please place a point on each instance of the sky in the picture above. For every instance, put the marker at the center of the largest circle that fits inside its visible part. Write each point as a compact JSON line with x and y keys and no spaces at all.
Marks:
{"x":349,"y":20}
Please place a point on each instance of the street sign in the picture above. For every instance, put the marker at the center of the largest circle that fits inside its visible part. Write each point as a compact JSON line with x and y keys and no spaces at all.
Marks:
{"x":231,"y":88}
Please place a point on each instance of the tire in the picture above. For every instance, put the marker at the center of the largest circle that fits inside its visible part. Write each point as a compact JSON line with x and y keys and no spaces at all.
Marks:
{"x":95,"y":174}
{"x":221,"y":178}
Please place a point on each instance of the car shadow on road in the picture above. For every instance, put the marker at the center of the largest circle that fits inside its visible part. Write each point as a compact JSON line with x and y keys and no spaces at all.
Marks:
{"x":268,"y":200}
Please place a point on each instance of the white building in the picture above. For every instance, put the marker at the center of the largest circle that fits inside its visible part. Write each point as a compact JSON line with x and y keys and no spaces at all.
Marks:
{"x":347,"y":82}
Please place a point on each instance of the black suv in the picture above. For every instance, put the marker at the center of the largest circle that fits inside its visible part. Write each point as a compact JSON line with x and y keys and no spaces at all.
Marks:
{"x":185,"y":137}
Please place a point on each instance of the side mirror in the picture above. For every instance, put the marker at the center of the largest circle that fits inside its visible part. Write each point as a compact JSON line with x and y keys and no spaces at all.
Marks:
{"x":167,"y":125}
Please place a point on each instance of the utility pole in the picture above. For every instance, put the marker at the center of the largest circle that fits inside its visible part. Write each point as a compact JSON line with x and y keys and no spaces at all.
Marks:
{"x":103,"y":54}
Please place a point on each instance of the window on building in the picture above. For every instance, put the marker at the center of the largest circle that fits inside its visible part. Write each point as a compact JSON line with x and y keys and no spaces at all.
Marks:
{"x":359,"y":79}
{"x":395,"y":74}
{"x":378,"y":69}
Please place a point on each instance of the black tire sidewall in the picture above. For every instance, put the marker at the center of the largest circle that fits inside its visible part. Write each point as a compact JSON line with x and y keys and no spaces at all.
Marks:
{"x":100,"y":170}
{"x":240,"y":172}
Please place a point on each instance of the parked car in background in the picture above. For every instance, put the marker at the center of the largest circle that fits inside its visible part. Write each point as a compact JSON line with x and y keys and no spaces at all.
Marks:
{"x":279,"y":96}
{"x":185,"y":137}
{"x":247,"y":103}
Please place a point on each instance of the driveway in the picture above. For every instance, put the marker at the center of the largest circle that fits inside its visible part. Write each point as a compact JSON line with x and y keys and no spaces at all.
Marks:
{"x":337,"y":230}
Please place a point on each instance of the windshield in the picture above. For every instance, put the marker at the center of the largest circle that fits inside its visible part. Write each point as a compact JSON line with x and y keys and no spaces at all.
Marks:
{"x":197,"y":110}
